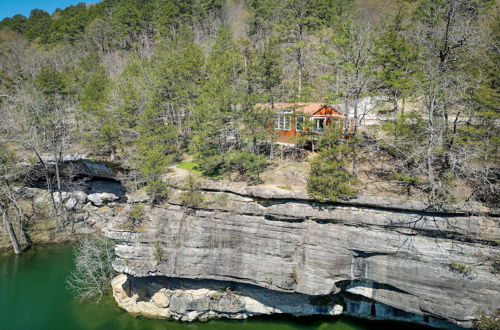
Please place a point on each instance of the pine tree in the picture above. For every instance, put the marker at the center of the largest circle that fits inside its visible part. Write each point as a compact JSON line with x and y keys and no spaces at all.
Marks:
{"x":154,"y":150}
{"x":396,"y":58}
{"x":215,"y":127}
{"x":329,"y":179}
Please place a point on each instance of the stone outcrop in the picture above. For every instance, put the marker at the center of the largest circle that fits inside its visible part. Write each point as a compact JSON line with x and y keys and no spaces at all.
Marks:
{"x":99,"y":199}
{"x":81,"y":217}
{"x":384,"y":258}
{"x":189,"y":300}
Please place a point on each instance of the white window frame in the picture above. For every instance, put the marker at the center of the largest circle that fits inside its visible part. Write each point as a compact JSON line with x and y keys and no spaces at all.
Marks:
{"x":316,"y":125}
{"x":283,"y":121}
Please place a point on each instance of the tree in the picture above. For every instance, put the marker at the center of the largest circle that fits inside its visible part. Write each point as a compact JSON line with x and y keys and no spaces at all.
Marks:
{"x":268,"y":71}
{"x":350,"y":55}
{"x":216,"y":130}
{"x":100,"y":129}
{"x":12,"y":214}
{"x":17,"y":23}
{"x":154,"y":150}
{"x":447,"y":31}
{"x":170,"y":15}
{"x":262,"y":78}
{"x":98,"y":35}
{"x":297,"y":18}
{"x":93,"y":270}
{"x":396,"y":58}
{"x":329,"y":179}
{"x":192,"y":196}
{"x":177,"y":80}
{"x":37,"y":25}
{"x":38,"y":118}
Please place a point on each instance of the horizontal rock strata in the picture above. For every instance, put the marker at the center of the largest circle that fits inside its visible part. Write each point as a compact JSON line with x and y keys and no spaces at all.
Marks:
{"x":189,"y":300}
{"x":436,"y":265}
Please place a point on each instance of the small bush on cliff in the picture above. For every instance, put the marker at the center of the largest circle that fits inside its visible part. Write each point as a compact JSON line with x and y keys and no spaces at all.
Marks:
{"x":488,"y":322}
{"x":458,"y":267}
{"x":136,"y":212}
{"x":157,"y":251}
{"x":495,"y":264}
{"x":158,"y":190}
{"x":192,"y":196}
{"x":93,"y":272}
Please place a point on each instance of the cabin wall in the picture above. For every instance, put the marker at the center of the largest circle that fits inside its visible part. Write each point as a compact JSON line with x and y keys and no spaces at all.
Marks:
{"x":292,"y":136}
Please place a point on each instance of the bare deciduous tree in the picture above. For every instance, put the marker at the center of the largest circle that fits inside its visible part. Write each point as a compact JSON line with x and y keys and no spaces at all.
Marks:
{"x":93,"y":271}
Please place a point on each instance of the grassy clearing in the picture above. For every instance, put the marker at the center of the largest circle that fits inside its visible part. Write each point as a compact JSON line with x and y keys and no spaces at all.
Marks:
{"x":190,"y":166}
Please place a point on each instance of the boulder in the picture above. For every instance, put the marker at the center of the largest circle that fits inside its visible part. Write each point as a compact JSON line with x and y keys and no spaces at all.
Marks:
{"x":99,"y":199}
{"x":80,"y":196}
{"x":70,"y":203}
{"x":138,"y":196}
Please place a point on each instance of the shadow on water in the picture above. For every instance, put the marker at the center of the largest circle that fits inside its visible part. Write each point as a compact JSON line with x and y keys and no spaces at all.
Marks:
{"x":33,"y":295}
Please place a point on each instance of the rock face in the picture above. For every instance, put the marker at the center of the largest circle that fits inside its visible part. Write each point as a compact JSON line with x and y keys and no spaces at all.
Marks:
{"x":43,"y":228}
{"x":189,"y":300}
{"x":386,"y":260}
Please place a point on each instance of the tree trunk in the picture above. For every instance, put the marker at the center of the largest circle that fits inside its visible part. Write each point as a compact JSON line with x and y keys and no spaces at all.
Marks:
{"x":300,"y":63}
{"x":10,"y":231}
{"x":395,"y":105}
{"x":49,"y":183}
{"x":19,"y":212}
{"x":299,"y":78}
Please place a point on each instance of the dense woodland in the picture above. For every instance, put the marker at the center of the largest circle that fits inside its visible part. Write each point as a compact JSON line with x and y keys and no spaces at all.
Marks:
{"x":142,"y":83}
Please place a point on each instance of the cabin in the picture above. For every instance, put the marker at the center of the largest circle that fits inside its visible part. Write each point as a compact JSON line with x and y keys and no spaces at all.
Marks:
{"x":290,"y":120}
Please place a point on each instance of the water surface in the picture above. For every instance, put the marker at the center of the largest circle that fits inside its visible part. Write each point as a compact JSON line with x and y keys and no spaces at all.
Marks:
{"x":33,"y":295}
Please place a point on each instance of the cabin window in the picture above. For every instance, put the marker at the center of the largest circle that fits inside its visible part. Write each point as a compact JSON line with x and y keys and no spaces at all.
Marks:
{"x":336,"y":125}
{"x":319,"y":124}
{"x":299,"y":123}
{"x":282,"y":122}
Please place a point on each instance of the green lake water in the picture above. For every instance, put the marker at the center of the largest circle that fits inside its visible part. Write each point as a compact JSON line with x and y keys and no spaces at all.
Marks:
{"x":33,"y":295}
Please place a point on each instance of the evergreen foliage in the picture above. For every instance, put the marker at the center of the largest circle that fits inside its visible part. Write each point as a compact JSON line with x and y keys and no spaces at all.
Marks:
{"x":330,"y":179}
{"x":192,"y":196}
{"x":143,"y":82}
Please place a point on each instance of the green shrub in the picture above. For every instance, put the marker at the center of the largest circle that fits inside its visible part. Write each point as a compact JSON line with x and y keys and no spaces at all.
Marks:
{"x":247,"y":165}
{"x":329,"y":179}
{"x":406,"y":181}
{"x":295,"y":275}
{"x":221,"y":199}
{"x":211,"y":166}
{"x":488,"y":321}
{"x":136,"y":212}
{"x":495,"y":264}
{"x":157,"y":251}
{"x":458,"y":267}
{"x":192,"y":196}
{"x":158,"y":190}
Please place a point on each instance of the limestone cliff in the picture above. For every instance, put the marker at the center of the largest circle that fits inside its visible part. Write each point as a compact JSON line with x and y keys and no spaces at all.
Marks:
{"x":434,"y":266}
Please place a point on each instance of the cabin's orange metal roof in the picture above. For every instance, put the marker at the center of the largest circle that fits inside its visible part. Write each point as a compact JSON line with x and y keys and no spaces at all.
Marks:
{"x":309,"y":108}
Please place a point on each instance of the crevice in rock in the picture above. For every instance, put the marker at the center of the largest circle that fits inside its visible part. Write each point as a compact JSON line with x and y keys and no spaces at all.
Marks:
{"x":270,"y":201}
{"x":411,"y":226}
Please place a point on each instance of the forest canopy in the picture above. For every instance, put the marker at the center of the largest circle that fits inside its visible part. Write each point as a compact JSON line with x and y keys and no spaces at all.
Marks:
{"x":142,"y":83}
